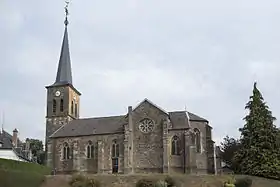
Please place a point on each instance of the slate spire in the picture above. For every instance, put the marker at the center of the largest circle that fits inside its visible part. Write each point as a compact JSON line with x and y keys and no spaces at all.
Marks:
{"x":64,"y":72}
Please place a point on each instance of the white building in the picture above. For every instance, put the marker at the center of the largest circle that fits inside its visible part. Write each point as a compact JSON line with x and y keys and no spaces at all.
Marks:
{"x":12,"y":148}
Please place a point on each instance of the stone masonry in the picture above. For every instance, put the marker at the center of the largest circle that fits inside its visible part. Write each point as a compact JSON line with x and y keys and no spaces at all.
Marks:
{"x":139,"y":152}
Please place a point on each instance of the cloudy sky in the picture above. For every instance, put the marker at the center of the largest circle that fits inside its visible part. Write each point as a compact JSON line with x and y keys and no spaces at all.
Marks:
{"x":204,"y":55}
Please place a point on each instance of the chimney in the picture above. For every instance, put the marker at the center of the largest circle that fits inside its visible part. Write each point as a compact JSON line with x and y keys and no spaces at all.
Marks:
{"x":129,"y":109}
{"x":15,"y":138}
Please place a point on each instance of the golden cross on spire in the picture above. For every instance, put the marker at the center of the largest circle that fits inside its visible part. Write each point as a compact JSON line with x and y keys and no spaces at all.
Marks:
{"x":66,"y":13}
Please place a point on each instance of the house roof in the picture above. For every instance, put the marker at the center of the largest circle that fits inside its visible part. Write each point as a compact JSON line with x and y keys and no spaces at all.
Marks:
{"x":7,"y":143}
{"x":115,"y":124}
{"x":6,"y":140}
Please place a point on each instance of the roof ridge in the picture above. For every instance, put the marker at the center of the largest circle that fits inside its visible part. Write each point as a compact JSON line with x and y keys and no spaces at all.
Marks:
{"x":101,"y":117}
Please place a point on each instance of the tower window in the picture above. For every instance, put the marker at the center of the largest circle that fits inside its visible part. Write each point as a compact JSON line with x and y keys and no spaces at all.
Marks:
{"x":72,"y":107}
{"x":61,"y":105}
{"x":175,"y":147}
{"x":54,"y":106}
{"x":90,"y":150}
{"x":76,"y":110}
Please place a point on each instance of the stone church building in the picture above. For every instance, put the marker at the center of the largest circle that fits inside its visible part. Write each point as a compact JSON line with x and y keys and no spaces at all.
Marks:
{"x":145,"y":139}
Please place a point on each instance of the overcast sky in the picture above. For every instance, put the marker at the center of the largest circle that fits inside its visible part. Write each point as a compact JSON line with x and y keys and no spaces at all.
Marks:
{"x":204,"y":55}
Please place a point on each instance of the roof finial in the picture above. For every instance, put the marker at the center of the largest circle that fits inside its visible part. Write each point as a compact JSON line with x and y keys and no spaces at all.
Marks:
{"x":3,"y":121}
{"x":66,"y":13}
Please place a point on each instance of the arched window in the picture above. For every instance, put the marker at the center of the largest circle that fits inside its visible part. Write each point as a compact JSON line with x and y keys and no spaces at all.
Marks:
{"x":61,"y":105}
{"x":72,"y":107}
{"x":115,"y":149}
{"x":197,"y":140}
{"x":76,"y":110}
{"x":54,"y":106}
{"x":115,"y":156}
{"x":90,"y":150}
{"x":175,"y":147}
{"x":66,"y":151}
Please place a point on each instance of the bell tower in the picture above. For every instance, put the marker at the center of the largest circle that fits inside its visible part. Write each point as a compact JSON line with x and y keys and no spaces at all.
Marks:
{"x":63,"y":99}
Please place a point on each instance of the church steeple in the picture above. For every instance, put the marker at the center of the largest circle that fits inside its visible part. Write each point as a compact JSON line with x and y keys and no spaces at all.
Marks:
{"x":63,"y":99}
{"x":64,"y":72}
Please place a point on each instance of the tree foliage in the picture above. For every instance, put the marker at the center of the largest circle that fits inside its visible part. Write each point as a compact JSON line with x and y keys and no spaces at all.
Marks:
{"x":259,"y":153}
{"x":229,"y":148}
{"x":36,"y":147}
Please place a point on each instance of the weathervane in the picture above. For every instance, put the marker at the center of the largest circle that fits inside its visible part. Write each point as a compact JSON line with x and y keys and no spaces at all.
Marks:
{"x":66,"y":13}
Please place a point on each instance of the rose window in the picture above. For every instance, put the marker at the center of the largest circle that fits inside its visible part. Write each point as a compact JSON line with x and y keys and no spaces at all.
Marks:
{"x":146,"y":125}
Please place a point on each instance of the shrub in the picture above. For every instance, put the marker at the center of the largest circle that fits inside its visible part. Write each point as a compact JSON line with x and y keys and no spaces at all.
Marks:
{"x":83,"y":181}
{"x":170,"y":181}
{"x":229,"y":185}
{"x":243,"y":182}
{"x":161,"y":183}
{"x":145,"y":183}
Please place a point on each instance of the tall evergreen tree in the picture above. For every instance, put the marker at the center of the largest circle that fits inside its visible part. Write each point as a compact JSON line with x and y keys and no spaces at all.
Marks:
{"x":259,"y":154}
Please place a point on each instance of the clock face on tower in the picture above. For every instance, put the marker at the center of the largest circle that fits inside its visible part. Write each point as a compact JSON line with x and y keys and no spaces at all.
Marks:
{"x":57,"y":93}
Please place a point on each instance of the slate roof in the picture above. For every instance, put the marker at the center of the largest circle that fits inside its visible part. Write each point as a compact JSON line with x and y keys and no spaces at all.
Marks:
{"x":194,"y":117}
{"x":64,"y":72}
{"x":6,"y":140}
{"x":179,"y":119}
{"x":114,"y":124}
{"x":89,"y":126}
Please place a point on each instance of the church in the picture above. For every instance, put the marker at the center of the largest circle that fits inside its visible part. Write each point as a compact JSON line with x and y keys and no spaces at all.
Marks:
{"x":146,"y":139}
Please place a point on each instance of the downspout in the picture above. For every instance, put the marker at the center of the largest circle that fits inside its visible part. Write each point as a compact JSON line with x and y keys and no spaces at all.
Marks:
{"x":184,"y":153}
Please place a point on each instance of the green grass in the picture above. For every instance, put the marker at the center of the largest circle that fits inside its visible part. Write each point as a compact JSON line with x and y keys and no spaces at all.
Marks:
{"x":23,"y":166}
{"x":21,"y":174}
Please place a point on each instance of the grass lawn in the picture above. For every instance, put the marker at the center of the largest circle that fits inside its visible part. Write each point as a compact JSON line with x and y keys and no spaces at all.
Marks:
{"x":21,"y":174}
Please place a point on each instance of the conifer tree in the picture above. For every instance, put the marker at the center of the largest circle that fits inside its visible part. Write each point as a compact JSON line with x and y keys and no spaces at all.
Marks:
{"x":259,"y":154}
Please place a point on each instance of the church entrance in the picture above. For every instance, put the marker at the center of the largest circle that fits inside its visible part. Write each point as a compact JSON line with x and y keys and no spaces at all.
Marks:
{"x":115,"y":165}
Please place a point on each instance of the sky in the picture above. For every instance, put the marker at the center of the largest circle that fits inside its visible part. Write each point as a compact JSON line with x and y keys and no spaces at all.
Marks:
{"x":200,"y":55}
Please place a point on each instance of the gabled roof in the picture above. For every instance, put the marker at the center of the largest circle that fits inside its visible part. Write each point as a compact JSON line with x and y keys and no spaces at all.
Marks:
{"x":115,"y":124}
{"x":5,"y":140}
{"x":194,"y":117}
{"x":90,"y":126}
{"x":179,"y":119}
{"x":7,"y":143}
{"x":150,"y":102}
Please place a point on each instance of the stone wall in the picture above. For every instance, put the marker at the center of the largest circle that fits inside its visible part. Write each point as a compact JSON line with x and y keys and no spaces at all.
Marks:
{"x":140,"y":152}
{"x":148,"y":146}
{"x":100,"y":163}
{"x":201,"y":157}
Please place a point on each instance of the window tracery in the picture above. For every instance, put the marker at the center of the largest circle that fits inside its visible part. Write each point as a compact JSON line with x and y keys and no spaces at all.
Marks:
{"x":90,"y":150}
{"x":66,"y":151}
{"x":197,"y":140}
{"x":175,"y":147}
{"x":146,"y":125}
